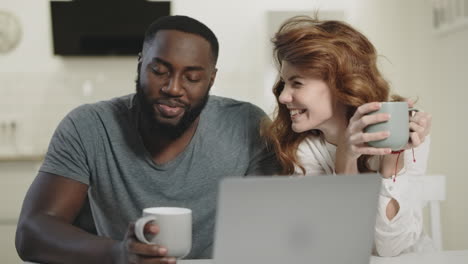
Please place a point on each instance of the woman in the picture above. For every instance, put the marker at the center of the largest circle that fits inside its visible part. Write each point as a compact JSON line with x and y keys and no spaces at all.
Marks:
{"x":328,"y":82}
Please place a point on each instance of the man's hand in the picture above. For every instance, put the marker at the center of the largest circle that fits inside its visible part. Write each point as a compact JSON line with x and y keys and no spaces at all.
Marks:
{"x":131,"y":250}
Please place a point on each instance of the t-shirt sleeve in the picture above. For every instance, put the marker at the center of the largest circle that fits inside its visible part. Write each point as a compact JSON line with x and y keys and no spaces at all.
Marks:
{"x":263,"y":159}
{"x":67,"y":154}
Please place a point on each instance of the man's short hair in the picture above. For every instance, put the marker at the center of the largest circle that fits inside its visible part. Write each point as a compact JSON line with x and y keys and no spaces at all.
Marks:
{"x":184,"y":24}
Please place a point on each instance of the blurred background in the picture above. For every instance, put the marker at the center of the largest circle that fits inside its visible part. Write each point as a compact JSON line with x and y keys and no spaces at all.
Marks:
{"x":422,"y":46}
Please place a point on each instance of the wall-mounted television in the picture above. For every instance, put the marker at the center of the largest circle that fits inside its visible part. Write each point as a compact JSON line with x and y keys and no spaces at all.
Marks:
{"x":102,"y":27}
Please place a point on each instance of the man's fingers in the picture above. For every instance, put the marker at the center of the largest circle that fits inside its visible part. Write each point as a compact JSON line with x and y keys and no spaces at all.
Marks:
{"x":135,"y":247}
{"x":152,"y":260}
{"x":139,"y":252}
{"x":151,"y":228}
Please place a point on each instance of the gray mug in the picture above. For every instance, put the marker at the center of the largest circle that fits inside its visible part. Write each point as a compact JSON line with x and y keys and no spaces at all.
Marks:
{"x":397,"y":125}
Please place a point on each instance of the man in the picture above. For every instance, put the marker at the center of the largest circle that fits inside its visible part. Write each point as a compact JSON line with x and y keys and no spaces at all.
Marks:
{"x":168,"y":145}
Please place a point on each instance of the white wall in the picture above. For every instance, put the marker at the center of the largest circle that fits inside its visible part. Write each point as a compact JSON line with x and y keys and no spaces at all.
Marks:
{"x":445,"y":79}
{"x":431,"y":67}
{"x":241,"y":28}
{"x":38,"y":88}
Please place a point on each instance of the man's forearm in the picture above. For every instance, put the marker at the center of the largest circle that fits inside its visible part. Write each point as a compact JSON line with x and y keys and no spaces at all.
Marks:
{"x":47,"y":239}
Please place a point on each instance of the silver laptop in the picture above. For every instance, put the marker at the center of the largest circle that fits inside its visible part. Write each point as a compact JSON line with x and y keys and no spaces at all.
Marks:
{"x":278,"y":220}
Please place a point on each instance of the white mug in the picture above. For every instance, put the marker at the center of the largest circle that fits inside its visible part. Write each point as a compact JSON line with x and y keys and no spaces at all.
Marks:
{"x":175,"y":229}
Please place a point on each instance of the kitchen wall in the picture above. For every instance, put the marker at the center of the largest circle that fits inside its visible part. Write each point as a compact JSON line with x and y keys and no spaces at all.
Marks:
{"x":37,"y":88}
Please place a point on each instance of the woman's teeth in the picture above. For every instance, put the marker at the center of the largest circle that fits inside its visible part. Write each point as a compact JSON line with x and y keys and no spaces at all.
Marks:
{"x":294,"y":112}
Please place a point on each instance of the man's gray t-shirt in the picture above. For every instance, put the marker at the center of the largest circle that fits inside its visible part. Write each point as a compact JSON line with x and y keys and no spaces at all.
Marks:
{"x":99,"y":145}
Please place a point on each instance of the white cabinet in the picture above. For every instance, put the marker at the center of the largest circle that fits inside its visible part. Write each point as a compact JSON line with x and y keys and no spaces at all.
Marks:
{"x":8,"y":253}
{"x":15,"y":178}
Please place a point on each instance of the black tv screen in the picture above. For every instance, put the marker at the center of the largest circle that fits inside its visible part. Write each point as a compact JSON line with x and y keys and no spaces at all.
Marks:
{"x":102,"y":27}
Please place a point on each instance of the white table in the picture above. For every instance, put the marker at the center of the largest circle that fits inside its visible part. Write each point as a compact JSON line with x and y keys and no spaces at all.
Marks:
{"x":442,"y":257}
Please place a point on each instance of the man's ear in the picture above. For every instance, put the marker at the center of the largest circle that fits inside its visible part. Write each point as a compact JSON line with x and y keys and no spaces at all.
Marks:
{"x":139,"y":57}
{"x":213,"y":77}
{"x":140,"y":60}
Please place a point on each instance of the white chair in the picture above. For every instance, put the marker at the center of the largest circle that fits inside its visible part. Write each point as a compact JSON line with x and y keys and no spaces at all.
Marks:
{"x":433,"y":191}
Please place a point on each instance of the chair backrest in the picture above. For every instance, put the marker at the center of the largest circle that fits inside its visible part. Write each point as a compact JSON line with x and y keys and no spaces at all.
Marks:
{"x":433,"y":191}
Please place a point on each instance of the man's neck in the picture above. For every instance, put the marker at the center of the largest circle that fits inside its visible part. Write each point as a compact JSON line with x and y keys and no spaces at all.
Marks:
{"x":162,"y":147}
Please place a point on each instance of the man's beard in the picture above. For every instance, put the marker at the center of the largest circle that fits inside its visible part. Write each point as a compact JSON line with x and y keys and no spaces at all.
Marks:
{"x":172,"y":131}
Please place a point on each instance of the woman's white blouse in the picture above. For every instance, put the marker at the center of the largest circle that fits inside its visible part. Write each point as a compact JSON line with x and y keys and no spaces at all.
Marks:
{"x":404,"y":233}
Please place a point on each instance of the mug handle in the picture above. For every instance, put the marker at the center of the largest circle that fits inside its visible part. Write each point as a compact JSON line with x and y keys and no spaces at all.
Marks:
{"x":412,"y":109}
{"x":140,"y":225}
